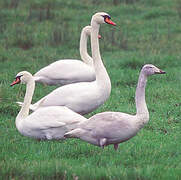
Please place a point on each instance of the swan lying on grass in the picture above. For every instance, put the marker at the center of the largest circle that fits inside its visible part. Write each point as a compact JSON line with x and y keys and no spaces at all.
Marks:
{"x":46,"y":123}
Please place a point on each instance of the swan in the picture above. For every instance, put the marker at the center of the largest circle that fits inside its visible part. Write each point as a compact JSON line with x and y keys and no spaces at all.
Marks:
{"x":69,"y":71}
{"x":107,"y":128}
{"x":46,"y":123}
{"x":84,"y":97}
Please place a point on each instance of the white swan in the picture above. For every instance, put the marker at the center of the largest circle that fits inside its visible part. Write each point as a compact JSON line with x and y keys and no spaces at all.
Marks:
{"x":46,"y":123}
{"x":69,"y":71}
{"x":115,"y":127}
{"x":84,"y":97}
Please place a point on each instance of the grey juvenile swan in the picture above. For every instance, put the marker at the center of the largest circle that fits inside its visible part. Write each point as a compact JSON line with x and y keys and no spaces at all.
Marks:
{"x":107,"y":128}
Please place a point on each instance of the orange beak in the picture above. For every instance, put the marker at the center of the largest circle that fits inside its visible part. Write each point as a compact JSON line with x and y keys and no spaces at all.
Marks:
{"x":16,"y":81}
{"x":107,"y":20}
{"x":160,"y":72}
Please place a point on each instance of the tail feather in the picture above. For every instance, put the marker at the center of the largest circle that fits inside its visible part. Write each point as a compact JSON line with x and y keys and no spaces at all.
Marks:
{"x":19,"y":103}
{"x":32,"y":107}
{"x":76,"y":133}
{"x":35,"y":106}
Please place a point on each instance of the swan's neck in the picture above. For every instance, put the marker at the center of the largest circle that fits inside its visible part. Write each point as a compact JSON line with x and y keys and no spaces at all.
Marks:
{"x":83,"y":49}
{"x":141,"y":107}
{"x":24,"y":112}
{"x":102,"y":77}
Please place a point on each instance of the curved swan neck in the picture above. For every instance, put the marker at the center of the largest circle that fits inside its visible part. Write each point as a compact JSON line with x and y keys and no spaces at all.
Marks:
{"x":102,"y":77}
{"x":24,"y":112}
{"x":141,"y":106}
{"x":95,"y":41}
{"x":83,"y":48}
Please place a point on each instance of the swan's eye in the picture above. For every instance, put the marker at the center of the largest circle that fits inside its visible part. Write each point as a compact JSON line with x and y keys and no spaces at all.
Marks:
{"x":18,"y":77}
{"x":106,"y":17}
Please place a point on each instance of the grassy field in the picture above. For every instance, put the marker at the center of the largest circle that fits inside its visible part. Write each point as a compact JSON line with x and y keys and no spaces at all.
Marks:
{"x":35,"y":33}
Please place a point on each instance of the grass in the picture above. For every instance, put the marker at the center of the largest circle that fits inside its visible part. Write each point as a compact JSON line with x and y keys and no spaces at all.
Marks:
{"x":34,"y":34}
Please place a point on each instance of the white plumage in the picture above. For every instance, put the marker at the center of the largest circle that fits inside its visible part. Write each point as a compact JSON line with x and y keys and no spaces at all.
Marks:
{"x":84,"y":97}
{"x":45,"y":123}
{"x":67,"y":71}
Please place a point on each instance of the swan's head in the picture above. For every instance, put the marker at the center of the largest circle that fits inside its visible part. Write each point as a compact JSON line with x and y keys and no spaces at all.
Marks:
{"x":102,"y":17}
{"x":150,"y":69}
{"x":22,"y":77}
{"x":87,"y":31}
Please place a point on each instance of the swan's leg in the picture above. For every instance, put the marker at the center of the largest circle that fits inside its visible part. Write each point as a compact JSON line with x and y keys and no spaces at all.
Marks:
{"x":116,"y":146}
{"x":102,"y":142}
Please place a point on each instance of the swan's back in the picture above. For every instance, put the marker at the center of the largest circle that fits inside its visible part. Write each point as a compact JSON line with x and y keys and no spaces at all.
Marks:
{"x":112,"y":119}
{"x":81,"y":97}
{"x":54,"y":114}
{"x":65,"y":72}
{"x":114,"y":126}
{"x":50,"y":123}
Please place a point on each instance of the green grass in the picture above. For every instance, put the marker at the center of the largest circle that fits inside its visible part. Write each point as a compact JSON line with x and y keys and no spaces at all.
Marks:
{"x":35,"y":33}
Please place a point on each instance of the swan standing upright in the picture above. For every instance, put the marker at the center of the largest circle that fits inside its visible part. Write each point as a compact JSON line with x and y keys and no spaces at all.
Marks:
{"x":115,"y":127}
{"x":69,"y":71}
{"x":46,"y":123}
{"x":84,"y":97}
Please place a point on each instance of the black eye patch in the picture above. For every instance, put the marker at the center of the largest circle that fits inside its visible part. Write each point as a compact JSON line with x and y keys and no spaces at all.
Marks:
{"x":18,"y":77}
{"x":106,"y":16}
